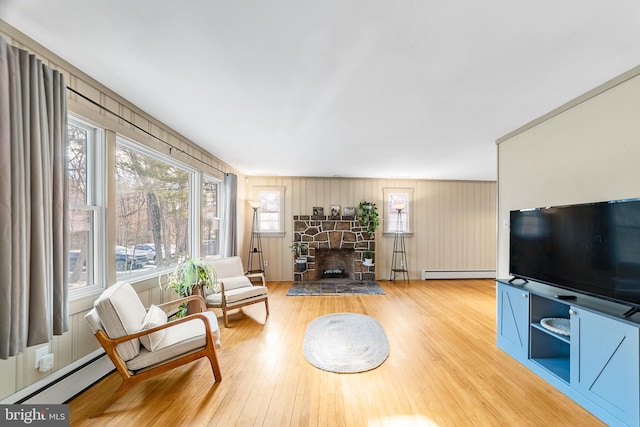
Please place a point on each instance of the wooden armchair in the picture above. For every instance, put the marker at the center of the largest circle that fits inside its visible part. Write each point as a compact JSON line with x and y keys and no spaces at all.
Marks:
{"x":142,"y":343}
{"x":234,"y":289}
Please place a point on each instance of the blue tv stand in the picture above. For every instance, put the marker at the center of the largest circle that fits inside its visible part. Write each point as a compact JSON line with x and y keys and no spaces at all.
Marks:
{"x":597,"y":365}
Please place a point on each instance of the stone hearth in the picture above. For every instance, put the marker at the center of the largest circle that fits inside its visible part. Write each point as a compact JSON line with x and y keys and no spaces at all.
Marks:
{"x":336,"y":246}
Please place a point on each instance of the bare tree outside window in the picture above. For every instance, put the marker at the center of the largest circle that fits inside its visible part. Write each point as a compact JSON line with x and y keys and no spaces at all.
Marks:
{"x":152,"y":212}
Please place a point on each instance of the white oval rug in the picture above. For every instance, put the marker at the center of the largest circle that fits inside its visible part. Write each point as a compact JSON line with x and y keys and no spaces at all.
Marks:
{"x":345,"y":343}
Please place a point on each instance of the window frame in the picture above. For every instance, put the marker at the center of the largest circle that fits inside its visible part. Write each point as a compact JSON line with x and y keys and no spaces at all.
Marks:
{"x":95,"y":204}
{"x":193,"y":199}
{"x":219,"y":208}
{"x":257,"y":190}
{"x":100,"y":164}
{"x":391,"y":195}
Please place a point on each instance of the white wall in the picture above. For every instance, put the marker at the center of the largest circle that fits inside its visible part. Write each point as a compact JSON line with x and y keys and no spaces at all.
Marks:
{"x":587,"y":151}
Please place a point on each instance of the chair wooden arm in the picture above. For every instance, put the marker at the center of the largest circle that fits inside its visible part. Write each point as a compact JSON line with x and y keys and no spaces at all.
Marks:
{"x":203,"y":304}
{"x":223,"y":301}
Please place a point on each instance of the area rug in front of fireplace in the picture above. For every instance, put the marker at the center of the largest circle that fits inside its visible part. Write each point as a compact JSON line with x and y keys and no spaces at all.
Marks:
{"x":345,"y":343}
{"x":326,"y":287}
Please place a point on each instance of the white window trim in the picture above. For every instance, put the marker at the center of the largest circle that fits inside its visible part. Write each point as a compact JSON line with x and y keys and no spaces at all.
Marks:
{"x":390,"y":218}
{"x":281,"y":189}
{"x":206,"y":177}
{"x":194,"y":200}
{"x":96,"y":193}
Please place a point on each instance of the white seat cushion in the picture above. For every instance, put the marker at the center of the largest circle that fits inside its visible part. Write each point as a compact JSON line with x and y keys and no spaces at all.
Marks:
{"x":178,"y":340}
{"x":237,"y":295}
{"x":121,"y":313}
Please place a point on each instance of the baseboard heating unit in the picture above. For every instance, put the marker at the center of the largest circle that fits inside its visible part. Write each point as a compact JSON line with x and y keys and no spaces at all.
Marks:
{"x":66,"y":383}
{"x":457,"y":274}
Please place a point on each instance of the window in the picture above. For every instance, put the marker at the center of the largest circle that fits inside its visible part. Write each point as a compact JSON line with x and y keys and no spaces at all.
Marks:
{"x":398,"y":205}
{"x":85,"y":163}
{"x":164,"y":211}
{"x":210,"y":218}
{"x":271,"y":211}
{"x":152,"y":211}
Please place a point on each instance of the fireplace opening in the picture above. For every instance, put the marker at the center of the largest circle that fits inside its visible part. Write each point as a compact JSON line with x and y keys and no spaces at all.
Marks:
{"x":335,"y":264}
{"x":333,"y":273}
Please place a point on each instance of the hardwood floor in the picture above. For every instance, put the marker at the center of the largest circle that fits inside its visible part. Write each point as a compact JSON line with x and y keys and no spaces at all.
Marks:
{"x":444,"y":369}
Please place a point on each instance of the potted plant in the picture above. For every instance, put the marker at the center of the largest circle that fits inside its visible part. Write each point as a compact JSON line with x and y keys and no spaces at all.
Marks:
{"x":190,"y":277}
{"x":368,"y":216}
{"x":368,"y":258}
{"x":301,"y":261}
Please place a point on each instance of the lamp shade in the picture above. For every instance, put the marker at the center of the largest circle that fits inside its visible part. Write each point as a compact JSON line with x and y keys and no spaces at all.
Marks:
{"x":254,"y":204}
{"x":399,"y":205}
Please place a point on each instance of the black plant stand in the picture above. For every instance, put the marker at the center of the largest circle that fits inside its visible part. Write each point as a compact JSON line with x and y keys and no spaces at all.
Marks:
{"x":399,"y":258}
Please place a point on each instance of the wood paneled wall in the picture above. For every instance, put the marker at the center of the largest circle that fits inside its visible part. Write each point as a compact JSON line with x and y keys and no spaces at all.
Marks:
{"x":455,"y":221}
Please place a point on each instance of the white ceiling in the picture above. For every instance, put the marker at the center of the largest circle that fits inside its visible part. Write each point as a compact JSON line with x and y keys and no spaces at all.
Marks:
{"x":352,"y":88}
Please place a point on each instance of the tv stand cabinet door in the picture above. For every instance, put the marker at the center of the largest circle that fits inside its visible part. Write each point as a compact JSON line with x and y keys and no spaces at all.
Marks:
{"x":604,"y":363}
{"x":513,"y":321}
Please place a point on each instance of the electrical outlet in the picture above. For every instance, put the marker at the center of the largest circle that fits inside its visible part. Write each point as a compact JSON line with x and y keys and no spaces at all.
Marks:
{"x":266,"y":263}
{"x":40,"y":353}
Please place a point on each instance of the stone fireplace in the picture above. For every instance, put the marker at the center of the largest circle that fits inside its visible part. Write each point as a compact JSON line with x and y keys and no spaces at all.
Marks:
{"x":335,"y":248}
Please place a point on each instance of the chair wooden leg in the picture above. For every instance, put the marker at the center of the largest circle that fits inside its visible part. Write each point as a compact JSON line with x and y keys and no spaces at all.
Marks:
{"x":266,"y":306}
{"x":226,"y":319}
{"x":215,"y":366}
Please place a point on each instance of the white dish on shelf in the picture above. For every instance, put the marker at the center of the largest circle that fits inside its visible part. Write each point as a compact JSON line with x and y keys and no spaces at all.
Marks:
{"x":559,"y":325}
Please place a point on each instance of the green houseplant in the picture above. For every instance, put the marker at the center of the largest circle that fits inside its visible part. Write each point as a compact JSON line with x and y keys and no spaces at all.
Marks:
{"x":297,"y":247}
{"x":368,"y":258}
{"x":368,"y":216}
{"x":189,"y":277}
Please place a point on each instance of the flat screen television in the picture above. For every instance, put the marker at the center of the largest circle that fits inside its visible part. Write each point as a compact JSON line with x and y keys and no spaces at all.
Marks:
{"x":591,"y":248}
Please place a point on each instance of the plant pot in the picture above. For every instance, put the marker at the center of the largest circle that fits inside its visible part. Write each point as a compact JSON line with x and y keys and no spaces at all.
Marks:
{"x":301,"y":264}
{"x":194,"y":306}
{"x":368,"y":262}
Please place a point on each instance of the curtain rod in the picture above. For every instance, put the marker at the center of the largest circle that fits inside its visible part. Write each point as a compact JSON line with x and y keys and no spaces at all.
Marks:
{"x":171,"y":146}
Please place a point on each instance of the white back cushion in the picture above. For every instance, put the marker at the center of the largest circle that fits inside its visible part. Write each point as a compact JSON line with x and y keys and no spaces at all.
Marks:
{"x":228,"y":267}
{"x":230,"y":272}
{"x":121,"y":313}
{"x":155,"y":317}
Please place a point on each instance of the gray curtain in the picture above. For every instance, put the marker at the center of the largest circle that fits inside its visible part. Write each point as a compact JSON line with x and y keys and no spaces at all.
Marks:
{"x":230,"y":218}
{"x":33,"y":202}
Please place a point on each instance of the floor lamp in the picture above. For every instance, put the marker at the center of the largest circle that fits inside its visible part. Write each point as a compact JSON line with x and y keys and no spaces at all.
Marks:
{"x":399,"y":258}
{"x":255,"y":244}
